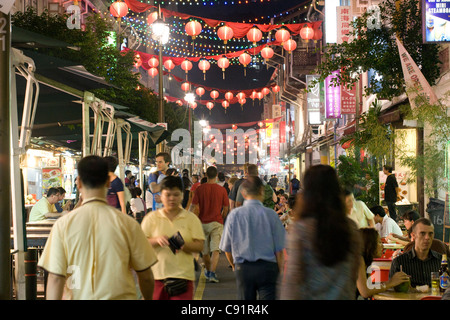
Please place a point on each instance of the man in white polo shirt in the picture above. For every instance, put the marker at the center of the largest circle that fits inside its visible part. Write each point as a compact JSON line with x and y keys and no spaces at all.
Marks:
{"x":385,"y":224}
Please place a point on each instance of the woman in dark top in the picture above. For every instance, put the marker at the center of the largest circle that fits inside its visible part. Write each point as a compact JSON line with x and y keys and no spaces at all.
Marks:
{"x":116,"y":193}
{"x":373,"y":248}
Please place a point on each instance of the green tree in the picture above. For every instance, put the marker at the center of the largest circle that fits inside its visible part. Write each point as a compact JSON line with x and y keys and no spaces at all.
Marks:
{"x":375,"y":48}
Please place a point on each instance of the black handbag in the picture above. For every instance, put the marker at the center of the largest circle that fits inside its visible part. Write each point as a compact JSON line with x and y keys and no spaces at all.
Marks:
{"x":175,"y":287}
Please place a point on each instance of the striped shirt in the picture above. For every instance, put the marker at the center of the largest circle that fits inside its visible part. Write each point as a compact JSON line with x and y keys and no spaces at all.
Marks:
{"x":419,"y":270}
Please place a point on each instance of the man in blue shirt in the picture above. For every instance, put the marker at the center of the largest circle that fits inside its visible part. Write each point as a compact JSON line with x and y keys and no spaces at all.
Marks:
{"x":154,"y":180}
{"x":253,"y":242}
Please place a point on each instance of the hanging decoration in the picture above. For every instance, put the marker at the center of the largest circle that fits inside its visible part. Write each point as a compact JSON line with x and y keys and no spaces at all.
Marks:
{"x":152,"y":17}
{"x":290,"y":45}
{"x":193,"y":28}
{"x":229,"y":96}
{"x":307,"y":33}
{"x":317,"y":35}
{"x":138,"y":61}
{"x":242,"y":102}
{"x":282,"y":35}
{"x":118,"y":9}
{"x":179,"y":102}
{"x":267,"y":53}
{"x":225,"y":104}
{"x":276,"y":88}
{"x":204,"y":65}
{"x":200,"y":91}
{"x":240,"y":95}
{"x":209,"y":105}
{"x":225,"y":33}
{"x":169,"y":65}
{"x":193,"y":105}
{"x":153,"y":62}
{"x":153,"y":72}
{"x":214,"y":94}
{"x":254,"y":35}
{"x":186,"y":86}
{"x":186,"y":65}
{"x":245,"y":59}
{"x":223,"y":63}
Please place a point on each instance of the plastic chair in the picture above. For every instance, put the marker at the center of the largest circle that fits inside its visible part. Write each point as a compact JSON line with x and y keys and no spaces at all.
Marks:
{"x":431,"y":298}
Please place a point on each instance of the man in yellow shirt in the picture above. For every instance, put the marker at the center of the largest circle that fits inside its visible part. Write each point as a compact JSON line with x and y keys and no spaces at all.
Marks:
{"x":92,"y":250}
{"x":161,"y":225}
{"x":45,"y":206}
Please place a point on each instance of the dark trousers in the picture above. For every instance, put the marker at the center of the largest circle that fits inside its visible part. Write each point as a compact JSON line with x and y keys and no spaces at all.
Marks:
{"x":392,"y":210}
{"x":256,"y":280}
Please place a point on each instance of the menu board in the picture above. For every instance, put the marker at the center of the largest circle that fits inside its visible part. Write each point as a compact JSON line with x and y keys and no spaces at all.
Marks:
{"x":402,"y":178}
{"x":51,"y":177}
{"x":436,"y":21}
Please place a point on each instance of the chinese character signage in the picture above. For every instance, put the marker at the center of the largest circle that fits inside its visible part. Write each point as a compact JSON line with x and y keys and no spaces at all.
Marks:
{"x":343,"y":24}
{"x":436,"y":18}
{"x":314,"y":99}
{"x":332,"y":98}
{"x":348,"y":100}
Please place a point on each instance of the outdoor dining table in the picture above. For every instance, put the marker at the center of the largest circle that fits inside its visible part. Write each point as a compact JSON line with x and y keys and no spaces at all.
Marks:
{"x":413,"y":294}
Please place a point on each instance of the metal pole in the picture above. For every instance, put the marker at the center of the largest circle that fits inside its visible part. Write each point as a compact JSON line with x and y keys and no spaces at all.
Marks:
{"x":161,"y":95}
{"x":5,"y":156}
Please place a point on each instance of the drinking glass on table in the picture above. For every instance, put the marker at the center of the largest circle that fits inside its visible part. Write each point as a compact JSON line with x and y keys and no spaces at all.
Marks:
{"x":435,"y":283}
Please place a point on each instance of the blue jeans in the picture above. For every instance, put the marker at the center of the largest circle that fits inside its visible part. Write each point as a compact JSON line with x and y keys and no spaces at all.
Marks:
{"x":256,"y":280}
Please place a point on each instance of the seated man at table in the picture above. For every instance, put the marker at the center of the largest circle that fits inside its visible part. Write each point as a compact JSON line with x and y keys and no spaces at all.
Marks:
{"x":420,"y":261}
{"x":383,"y":223}
{"x":45,"y":207}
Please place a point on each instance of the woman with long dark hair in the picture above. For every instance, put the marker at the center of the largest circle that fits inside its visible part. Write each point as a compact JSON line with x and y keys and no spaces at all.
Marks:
{"x":372,"y":247}
{"x":323,"y":245}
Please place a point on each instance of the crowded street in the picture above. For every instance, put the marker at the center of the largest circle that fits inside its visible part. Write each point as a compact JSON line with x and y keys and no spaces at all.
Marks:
{"x":227,"y":156}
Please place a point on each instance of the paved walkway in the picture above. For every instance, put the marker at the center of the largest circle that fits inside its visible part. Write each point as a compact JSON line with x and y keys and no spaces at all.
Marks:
{"x":225,"y":289}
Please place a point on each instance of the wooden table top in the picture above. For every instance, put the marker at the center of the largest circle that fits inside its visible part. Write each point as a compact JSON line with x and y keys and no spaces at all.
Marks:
{"x":392,"y":295}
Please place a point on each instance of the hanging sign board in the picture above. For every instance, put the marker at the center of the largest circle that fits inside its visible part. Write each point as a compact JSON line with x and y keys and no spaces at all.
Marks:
{"x":332,"y":98}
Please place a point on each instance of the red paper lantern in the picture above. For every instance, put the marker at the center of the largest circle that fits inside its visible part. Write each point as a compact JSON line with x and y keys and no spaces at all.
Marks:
{"x":209,"y":105}
{"x":193,"y":105}
{"x":186,"y":65}
{"x":225,"y":104}
{"x":200,"y":91}
{"x":317,"y":35}
{"x":169,"y":65}
{"x":229,"y":95}
{"x":223,"y":63}
{"x":265,"y":91}
{"x":153,"y":62}
{"x":185,"y":86}
{"x":204,"y":65}
{"x":152,"y":17}
{"x":259,"y":95}
{"x":254,"y":35}
{"x":306,"y":33}
{"x":138,"y":61}
{"x":282,"y":35}
{"x":179,"y":102}
{"x":290,"y":45}
{"x":214,"y":94}
{"x":153,"y":72}
{"x":242,"y":101}
{"x":253,"y":95}
{"x":225,"y":33}
{"x":267,"y":52}
{"x":193,"y":28}
{"x":245,"y":59}
{"x":118,"y":9}
{"x":240,"y":95}
{"x":234,"y":127}
{"x":276,"y":88}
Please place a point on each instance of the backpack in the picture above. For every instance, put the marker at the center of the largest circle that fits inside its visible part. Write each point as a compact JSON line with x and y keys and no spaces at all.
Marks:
{"x":268,"y":197}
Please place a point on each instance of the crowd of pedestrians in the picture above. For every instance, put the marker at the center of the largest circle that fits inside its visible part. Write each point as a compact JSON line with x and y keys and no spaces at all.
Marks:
{"x":301,"y":244}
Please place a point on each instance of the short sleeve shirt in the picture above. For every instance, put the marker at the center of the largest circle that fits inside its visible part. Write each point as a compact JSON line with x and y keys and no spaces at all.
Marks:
{"x":94,"y":246}
{"x":40,"y":209}
{"x":180,"y":265}
{"x":115,"y":187}
{"x":211,"y":198}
